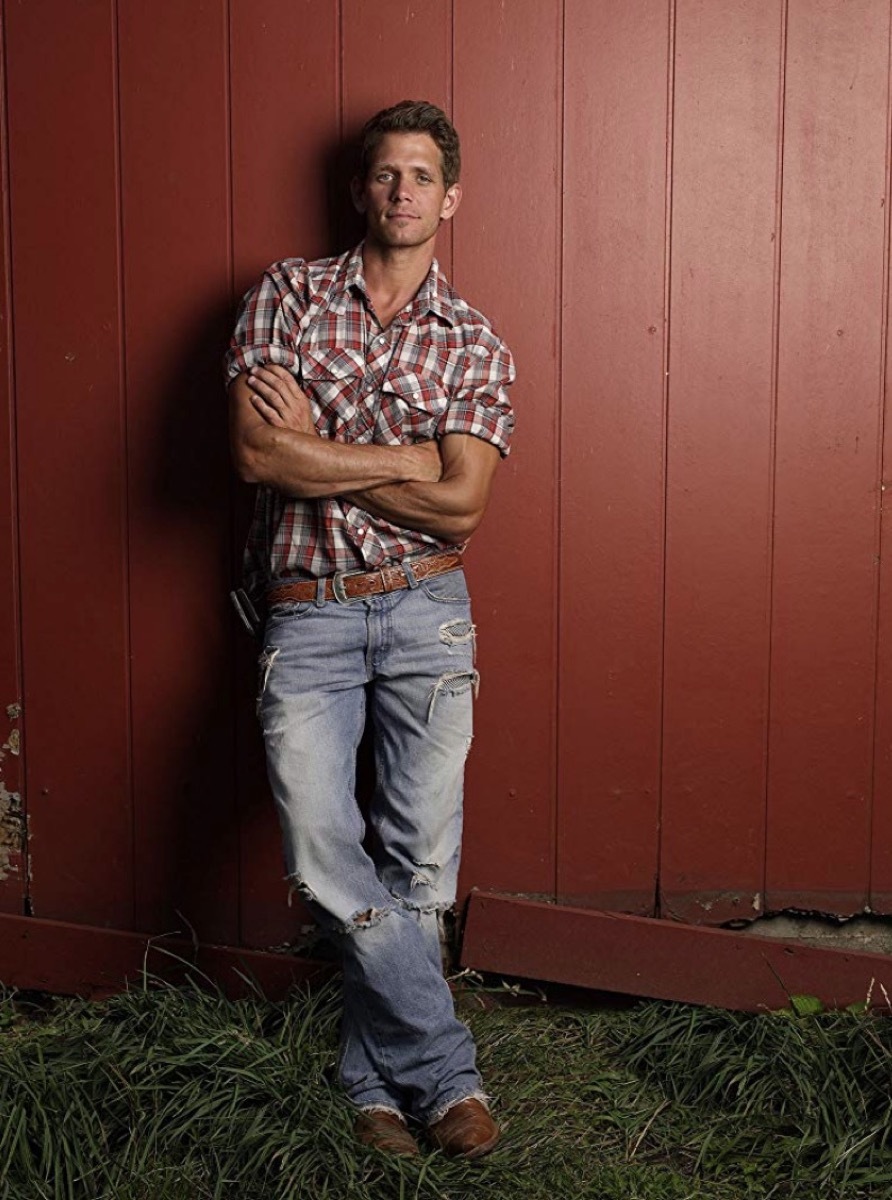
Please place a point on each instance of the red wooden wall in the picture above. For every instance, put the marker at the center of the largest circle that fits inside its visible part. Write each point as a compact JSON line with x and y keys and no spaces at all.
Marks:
{"x":676,"y":213}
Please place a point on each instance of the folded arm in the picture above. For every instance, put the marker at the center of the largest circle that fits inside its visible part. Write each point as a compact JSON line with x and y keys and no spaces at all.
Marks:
{"x":273,"y":441}
{"x":450,"y":508}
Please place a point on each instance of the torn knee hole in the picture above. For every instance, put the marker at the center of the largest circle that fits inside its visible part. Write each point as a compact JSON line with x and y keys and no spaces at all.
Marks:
{"x":431,"y":906}
{"x":421,"y":876}
{"x":364,"y":920}
{"x":453,"y":685}
{"x":296,"y":884}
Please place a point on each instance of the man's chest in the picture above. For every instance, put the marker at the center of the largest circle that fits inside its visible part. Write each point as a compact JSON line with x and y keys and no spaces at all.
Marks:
{"x":367,"y":384}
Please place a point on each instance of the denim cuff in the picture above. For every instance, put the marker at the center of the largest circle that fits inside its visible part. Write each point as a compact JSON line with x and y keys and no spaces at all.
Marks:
{"x":441,"y":1112}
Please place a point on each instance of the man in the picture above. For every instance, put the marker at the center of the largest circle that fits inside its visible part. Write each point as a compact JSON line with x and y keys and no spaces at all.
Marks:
{"x":369,"y":401}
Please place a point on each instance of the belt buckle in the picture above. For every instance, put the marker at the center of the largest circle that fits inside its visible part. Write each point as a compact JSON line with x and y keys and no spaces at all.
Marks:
{"x":337,"y":586}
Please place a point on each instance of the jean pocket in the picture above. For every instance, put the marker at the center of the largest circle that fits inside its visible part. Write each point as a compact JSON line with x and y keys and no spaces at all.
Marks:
{"x":451,"y":588}
{"x":286,"y":610}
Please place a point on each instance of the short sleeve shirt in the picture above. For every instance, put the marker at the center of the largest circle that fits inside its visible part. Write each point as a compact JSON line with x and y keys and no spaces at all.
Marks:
{"x":438,"y":368}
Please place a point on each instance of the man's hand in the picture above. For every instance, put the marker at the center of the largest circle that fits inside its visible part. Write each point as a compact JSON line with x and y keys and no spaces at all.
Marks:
{"x":276,"y":396}
{"x":274,"y":442}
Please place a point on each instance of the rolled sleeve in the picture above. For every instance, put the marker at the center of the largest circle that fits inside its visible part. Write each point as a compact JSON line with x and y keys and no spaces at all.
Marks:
{"x":480,"y":405}
{"x":267,"y":324}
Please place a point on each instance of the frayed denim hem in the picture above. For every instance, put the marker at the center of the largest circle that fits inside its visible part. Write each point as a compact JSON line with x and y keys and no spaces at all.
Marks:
{"x":441,"y":1112}
{"x":387,"y":1108}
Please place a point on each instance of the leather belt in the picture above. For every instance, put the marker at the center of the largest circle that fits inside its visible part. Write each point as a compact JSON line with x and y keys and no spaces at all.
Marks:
{"x":345,"y":586}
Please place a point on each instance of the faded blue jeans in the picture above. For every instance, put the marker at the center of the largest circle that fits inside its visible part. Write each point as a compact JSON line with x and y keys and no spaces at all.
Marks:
{"x":409,"y":657}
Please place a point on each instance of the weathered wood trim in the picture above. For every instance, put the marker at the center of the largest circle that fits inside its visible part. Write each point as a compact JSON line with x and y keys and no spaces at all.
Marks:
{"x":662,"y":959}
{"x":64,"y":958}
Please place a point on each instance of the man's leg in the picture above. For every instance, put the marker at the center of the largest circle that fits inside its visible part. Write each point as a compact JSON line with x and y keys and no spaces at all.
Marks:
{"x":422,"y":704}
{"x":311,"y":704}
{"x":402,"y":1044}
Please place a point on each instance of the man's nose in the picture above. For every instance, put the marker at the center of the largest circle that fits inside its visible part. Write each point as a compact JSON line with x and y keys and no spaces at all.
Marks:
{"x":400,"y":189}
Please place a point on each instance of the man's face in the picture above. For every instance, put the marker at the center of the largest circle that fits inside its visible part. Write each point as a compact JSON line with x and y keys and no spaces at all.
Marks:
{"x":403,"y":195}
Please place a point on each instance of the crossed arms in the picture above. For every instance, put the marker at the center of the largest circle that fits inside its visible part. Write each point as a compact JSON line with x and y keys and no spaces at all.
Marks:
{"x":436,"y":487}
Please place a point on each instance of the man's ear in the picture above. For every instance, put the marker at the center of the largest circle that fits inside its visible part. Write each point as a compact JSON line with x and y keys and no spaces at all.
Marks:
{"x":357,"y":193}
{"x":451,"y":201}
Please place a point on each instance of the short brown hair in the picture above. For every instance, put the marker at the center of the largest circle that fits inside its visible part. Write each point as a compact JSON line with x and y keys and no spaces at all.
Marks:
{"x":413,"y":116}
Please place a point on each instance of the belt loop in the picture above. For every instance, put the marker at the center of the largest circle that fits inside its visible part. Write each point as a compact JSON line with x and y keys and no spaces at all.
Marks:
{"x":320,"y":592}
{"x":410,"y":575}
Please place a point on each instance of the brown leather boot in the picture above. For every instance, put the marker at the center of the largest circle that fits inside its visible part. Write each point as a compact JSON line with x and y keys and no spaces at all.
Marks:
{"x":466,"y":1131}
{"x":385,"y":1130}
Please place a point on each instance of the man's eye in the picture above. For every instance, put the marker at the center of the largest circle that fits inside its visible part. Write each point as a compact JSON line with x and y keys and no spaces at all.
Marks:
{"x":383,"y":176}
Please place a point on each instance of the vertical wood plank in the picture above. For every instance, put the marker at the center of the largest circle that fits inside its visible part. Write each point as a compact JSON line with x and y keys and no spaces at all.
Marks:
{"x":285,"y":131}
{"x":725,"y":223}
{"x":611,"y":587}
{"x":175,"y":203}
{"x":881,"y":822}
{"x":507,"y":101}
{"x":13,"y":844}
{"x":64,"y":212}
{"x":824,"y":600}
{"x":391,"y":52}
{"x":286,"y":153}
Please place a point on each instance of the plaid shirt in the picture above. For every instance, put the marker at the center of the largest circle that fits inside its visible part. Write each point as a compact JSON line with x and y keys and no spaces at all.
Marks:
{"x":437,"y":369}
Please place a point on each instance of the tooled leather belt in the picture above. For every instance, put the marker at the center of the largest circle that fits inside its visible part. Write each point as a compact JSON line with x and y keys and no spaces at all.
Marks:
{"x":356,"y":585}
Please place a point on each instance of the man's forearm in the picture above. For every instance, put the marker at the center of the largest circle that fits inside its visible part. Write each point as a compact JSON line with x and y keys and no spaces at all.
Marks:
{"x":450,"y":508}
{"x":305,"y":465}
{"x":438,"y":509}
{"x":274,"y":441}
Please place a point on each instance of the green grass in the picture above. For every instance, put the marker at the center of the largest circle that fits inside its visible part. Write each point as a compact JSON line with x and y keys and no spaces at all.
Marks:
{"x":178,"y":1094}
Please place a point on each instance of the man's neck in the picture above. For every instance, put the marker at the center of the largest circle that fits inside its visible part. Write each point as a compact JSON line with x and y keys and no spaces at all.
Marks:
{"x":393,"y":275}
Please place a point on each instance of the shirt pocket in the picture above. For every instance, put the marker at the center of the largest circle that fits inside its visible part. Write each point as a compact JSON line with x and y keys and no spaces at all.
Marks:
{"x":412,"y":407}
{"x":332,"y":379}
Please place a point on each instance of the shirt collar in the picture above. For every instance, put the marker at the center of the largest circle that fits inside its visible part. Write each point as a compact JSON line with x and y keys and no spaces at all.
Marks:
{"x":434,"y":295}
{"x":353,"y":276}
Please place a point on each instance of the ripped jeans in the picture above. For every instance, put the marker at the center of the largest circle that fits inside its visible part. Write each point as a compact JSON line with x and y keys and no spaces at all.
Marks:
{"x":402,"y":1046}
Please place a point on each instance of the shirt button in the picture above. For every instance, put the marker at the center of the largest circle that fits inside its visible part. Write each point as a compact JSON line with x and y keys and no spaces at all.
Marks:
{"x":416,"y":395}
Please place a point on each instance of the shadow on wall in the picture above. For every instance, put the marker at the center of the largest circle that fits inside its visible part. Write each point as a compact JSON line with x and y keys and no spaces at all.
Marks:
{"x":208,"y":850}
{"x":345,"y":225}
